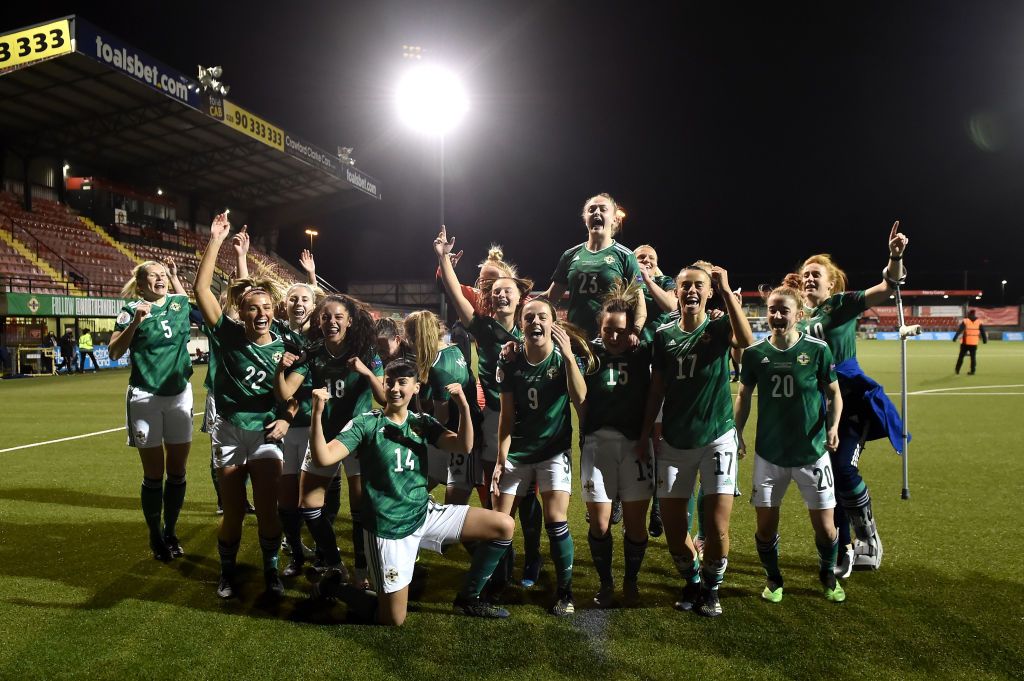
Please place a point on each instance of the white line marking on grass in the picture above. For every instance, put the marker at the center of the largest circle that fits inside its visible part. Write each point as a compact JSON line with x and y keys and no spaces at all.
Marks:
{"x":73,"y":437}
{"x":963,"y":387}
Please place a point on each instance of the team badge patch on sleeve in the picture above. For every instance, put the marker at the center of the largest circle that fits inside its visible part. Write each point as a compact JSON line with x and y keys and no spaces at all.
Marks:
{"x":124,"y":317}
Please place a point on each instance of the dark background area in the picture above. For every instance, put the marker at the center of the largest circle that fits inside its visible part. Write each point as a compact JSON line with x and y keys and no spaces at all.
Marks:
{"x":748,"y":136}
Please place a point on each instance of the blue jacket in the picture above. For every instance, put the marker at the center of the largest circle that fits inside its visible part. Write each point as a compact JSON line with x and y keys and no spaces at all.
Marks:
{"x":863,"y":395}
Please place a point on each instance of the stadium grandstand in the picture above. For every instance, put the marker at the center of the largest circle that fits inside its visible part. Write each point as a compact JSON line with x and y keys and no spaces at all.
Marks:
{"x":108,"y":158}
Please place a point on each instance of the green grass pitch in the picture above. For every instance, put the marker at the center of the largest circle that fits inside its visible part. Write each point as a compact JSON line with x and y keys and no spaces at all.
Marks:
{"x":80,"y":595}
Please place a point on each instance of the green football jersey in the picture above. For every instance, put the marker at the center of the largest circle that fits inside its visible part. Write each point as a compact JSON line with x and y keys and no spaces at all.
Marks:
{"x":589,"y":276}
{"x":350,"y":391}
{"x":305,"y":392}
{"x":160,"y":360}
{"x":791,"y":417}
{"x":543,"y":420}
{"x":490,"y":336}
{"x":835,"y":322}
{"x":656,"y":317}
{"x":617,"y":391}
{"x":695,"y":369}
{"x":450,"y":367}
{"x":243,"y":388}
{"x":393,"y":461}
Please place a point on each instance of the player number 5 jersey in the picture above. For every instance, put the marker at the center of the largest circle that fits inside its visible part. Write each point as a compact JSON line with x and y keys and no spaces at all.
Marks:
{"x":159,"y":349}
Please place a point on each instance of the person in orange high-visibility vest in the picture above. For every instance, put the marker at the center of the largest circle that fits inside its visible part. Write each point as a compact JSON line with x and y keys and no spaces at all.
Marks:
{"x":973,"y":331}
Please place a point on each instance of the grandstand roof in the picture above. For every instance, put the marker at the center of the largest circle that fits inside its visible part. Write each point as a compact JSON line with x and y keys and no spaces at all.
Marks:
{"x":71,"y":89}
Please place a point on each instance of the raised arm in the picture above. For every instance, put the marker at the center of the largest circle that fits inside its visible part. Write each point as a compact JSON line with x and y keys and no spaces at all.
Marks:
{"x":894,"y":271}
{"x":742,"y":336}
{"x":205,"y":298}
{"x":172,"y":274}
{"x":308,"y":266}
{"x":442,"y":248}
{"x":665,"y":300}
{"x":461,"y":442}
{"x":323,"y":453}
{"x":285,"y":382}
{"x":574,"y":379}
{"x":121,"y":340}
{"x":240,"y":242}
{"x":376,"y":382}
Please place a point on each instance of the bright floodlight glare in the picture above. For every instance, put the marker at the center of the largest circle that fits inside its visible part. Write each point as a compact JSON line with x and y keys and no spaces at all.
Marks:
{"x":431,"y":99}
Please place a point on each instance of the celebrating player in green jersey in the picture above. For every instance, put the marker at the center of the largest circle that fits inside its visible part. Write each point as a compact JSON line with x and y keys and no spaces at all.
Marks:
{"x":535,"y":430}
{"x":613,"y":418}
{"x":249,"y":428}
{"x":400,"y":516}
{"x":344,"y":362}
{"x":659,"y":290}
{"x":441,"y":365}
{"x":795,"y":377}
{"x":690,"y":384}
{"x":155,"y":327}
{"x":588,"y":270}
{"x":831,"y":314}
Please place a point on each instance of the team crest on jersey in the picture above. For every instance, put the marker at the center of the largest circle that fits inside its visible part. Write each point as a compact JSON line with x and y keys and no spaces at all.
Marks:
{"x":827,"y":308}
{"x":608,"y":260}
{"x":705,"y":338}
{"x":277,"y":356}
{"x":175,"y":306}
{"x":390,"y":574}
{"x":552,"y":372}
{"x":803,"y":359}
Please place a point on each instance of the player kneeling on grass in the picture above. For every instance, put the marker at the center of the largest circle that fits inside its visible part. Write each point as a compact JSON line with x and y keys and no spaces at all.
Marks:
{"x":795,"y":376}
{"x":399,"y":515}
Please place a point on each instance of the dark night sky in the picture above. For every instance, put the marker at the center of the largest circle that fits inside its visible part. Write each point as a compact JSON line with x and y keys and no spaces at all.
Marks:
{"x":748,"y":137}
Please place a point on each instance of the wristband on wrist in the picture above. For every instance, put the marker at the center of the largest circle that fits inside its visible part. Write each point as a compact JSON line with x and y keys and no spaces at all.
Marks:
{"x":896,"y":258}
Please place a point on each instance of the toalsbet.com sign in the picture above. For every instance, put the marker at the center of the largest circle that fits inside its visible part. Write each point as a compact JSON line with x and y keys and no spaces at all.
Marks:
{"x":111,"y":51}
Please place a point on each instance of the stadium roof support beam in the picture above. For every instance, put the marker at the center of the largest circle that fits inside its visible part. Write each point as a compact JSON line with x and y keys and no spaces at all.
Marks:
{"x":91,"y":132}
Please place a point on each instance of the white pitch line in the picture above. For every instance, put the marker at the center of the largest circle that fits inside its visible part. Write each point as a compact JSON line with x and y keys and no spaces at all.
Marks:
{"x":964,"y":387}
{"x":73,"y":437}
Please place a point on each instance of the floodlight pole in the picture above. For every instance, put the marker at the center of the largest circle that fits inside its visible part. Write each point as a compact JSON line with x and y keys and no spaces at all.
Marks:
{"x":905,"y":494}
{"x":442,"y":300}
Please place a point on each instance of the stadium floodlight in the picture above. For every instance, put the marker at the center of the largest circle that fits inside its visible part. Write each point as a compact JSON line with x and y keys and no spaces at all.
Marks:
{"x":431,"y":99}
{"x":311,"y":233}
{"x":345,"y":156}
{"x":209,"y":78}
{"x":67,"y":167}
{"x":159,"y":192}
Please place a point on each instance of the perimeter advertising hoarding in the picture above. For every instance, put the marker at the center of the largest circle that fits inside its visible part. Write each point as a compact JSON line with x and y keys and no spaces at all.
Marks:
{"x":47,"y":305}
{"x":113,"y":52}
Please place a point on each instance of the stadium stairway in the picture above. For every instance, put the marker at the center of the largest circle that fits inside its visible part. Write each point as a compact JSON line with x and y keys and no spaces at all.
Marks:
{"x":26,"y":252}
{"x":109,"y":239}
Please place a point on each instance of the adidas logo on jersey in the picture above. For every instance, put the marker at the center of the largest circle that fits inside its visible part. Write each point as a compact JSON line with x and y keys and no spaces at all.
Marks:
{"x":765,"y":360}
{"x":671,"y":343}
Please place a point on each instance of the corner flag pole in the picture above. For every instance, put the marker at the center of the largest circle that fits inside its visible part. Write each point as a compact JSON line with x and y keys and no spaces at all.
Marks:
{"x":905,"y":332}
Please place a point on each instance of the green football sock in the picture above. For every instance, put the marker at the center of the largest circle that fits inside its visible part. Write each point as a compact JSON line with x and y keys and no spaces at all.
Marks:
{"x":713,"y":573}
{"x":228,"y":557}
{"x":270,"y":548}
{"x":827,"y":555}
{"x":152,"y":504}
{"x":531,"y":517}
{"x":601,"y":551}
{"x":486,"y":557}
{"x":768,"y":552}
{"x":688,"y":568}
{"x":562,"y":551}
{"x":634,"y":555}
{"x":174,"y":499}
